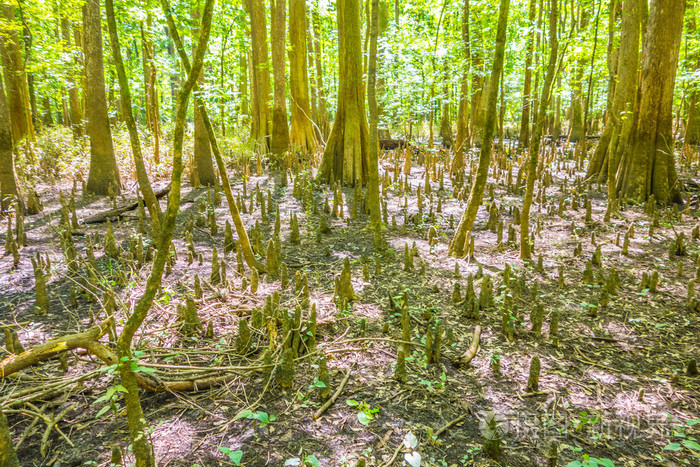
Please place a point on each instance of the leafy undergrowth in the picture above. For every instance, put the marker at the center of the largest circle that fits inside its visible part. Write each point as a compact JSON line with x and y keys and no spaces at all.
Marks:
{"x":613,"y":388}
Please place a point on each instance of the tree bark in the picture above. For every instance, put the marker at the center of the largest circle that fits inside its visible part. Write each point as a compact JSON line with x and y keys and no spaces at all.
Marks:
{"x":103,"y":166}
{"x":302,"y":136}
{"x":261,"y":126}
{"x":457,"y":245}
{"x":524,"y":137}
{"x":9,"y":187}
{"x":525,"y":250}
{"x":76,"y":111}
{"x":149,"y":82}
{"x":322,"y":121}
{"x":373,"y":186}
{"x":8,"y":456}
{"x":15,"y":78}
{"x":203,"y":163}
{"x":141,"y":175}
{"x":346,"y":156}
{"x":462,"y":138}
{"x":279,"y":143}
{"x":648,"y":166}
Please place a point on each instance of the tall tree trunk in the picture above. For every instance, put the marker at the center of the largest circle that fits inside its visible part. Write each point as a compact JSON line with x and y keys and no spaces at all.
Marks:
{"x":244,"y":108}
{"x":203,"y":163}
{"x":322,"y":120}
{"x":476,"y":194}
{"x":149,"y":81}
{"x":692,"y":123}
{"x":445,"y":123}
{"x":9,"y":187}
{"x":125,"y":93}
{"x":76,"y":111}
{"x":648,"y":167}
{"x":373,"y":186}
{"x":525,"y":249}
{"x":615,"y":136}
{"x":346,"y":155}
{"x":524,"y":137}
{"x":261,"y":127}
{"x":103,"y":166}
{"x":279,"y":143}
{"x":478,"y":81}
{"x":302,"y":136}
{"x":15,"y":78}
{"x":31,"y":91}
{"x":462,"y":138}
{"x":576,"y":130}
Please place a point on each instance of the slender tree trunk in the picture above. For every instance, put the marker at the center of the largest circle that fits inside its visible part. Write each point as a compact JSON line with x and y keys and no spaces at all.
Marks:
{"x":476,"y":194}
{"x":692,"y":123}
{"x":9,"y":187}
{"x":373,"y":186}
{"x":125,"y":93}
{"x":445,"y":123}
{"x":279,"y":143}
{"x":524,"y":137}
{"x":15,"y":78}
{"x":462,"y":138}
{"x":323,"y":120}
{"x":525,"y":249}
{"x":243,"y":89}
{"x":261,"y":127}
{"x":141,"y":447}
{"x":478,"y":82}
{"x":76,"y":111}
{"x":203,"y":164}
{"x":31,"y":91}
{"x":149,"y":81}
{"x":346,"y":156}
{"x":648,"y":167}
{"x":103,"y":166}
{"x":248,"y":254}
{"x":302,"y":136}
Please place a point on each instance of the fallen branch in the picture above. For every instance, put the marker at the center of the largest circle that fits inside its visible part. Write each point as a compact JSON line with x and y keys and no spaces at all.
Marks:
{"x":117,"y":212}
{"x":473,"y":348}
{"x":330,"y":401}
{"x":50,"y":349}
{"x":451,"y":424}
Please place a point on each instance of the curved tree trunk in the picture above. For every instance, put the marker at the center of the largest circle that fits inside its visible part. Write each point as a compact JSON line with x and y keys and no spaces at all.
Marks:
{"x":648,"y":166}
{"x":125,"y":93}
{"x":103,"y":166}
{"x":346,"y":156}
{"x":302,"y":136}
{"x":457,"y":245}
{"x":279,"y":143}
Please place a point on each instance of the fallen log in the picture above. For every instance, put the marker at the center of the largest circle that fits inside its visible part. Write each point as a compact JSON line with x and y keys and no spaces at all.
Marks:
{"x":386,"y":144}
{"x":117,"y":212}
{"x":50,"y":349}
{"x":473,"y":348}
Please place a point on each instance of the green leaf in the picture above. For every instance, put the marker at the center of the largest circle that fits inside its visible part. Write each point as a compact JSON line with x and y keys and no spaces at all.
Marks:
{"x":673,"y":447}
{"x":102,"y":411}
{"x":606,"y":462}
{"x":244,"y":414}
{"x":365,"y":418}
{"x":352,"y":403}
{"x":312,"y":460}
{"x":691,"y":445}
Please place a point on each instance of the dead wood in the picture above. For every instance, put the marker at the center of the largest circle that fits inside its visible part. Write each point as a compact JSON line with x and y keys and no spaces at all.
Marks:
{"x":473,"y":348}
{"x":117,"y":212}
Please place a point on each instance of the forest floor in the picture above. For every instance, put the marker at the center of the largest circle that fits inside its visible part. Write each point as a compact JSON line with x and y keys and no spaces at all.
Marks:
{"x":612,"y":386}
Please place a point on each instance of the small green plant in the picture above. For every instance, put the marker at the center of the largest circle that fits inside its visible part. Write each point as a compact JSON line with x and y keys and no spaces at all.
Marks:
{"x":234,"y":455}
{"x":261,"y":417}
{"x":110,"y":398}
{"x":365,"y":413}
{"x":685,"y":441}
{"x":589,"y":461}
{"x":584,"y":420}
{"x":309,"y":459}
